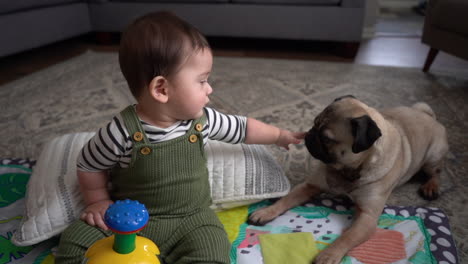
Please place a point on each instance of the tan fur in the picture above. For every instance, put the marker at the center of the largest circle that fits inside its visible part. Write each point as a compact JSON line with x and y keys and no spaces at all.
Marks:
{"x":411,"y":139}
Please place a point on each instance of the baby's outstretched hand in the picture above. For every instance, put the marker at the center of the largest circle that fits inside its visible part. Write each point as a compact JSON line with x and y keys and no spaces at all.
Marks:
{"x":287,"y":137}
{"x":94,"y":214}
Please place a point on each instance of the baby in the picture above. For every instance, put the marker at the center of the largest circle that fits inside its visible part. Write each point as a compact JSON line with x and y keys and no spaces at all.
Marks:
{"x":153,"y":151}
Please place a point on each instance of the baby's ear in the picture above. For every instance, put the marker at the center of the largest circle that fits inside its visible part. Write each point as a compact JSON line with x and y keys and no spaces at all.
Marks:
{"x":158,"y":89}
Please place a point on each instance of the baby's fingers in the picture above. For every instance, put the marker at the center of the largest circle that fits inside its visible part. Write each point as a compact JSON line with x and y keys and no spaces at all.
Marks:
{"x":296,"y":138}
{"x":299,"y":135}
{"x":83,"y":216}
{"x":100,"y":222}
{"x":89,"y":218}
{"x":296,"y":141}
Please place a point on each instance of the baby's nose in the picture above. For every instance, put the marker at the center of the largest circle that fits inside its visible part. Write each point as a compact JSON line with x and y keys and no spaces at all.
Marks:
{"x":210,"y":90}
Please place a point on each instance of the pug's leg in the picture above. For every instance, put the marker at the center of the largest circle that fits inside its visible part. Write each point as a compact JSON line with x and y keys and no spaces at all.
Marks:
{"x":298,"y":195}
{"x":363,"y":227}
{"x":433,"y":165}
{"x":430,"y":189}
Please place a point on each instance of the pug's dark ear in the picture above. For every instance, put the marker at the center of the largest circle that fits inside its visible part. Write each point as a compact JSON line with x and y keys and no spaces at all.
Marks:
{"x":365,"y":132}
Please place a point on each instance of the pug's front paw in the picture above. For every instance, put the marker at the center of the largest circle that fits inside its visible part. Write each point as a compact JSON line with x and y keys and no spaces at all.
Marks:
{"x":430,"y":190}
{"x":262,"y":216}
{"x":329,"y":256}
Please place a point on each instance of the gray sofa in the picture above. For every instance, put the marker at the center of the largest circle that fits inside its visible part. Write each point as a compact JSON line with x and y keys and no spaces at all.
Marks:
{"x":446,"y":29}
{"x":27,"y":24}
{"x":33,"y":23}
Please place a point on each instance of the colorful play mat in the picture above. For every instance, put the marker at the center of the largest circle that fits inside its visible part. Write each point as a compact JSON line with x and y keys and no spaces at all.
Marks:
{"x":404,"y":235}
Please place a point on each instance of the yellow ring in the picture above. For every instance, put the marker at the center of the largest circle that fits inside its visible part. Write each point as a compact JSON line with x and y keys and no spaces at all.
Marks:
{"x":199,"y":127}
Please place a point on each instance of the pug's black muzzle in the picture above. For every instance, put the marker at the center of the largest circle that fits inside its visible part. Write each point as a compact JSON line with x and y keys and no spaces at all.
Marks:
{"x":316,"y":147}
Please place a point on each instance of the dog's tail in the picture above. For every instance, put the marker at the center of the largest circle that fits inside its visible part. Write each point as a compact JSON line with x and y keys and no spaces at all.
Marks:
{"x":425,"y":108}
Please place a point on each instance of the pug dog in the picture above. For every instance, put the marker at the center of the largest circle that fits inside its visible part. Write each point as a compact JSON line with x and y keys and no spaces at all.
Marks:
{"x":365,"y":154}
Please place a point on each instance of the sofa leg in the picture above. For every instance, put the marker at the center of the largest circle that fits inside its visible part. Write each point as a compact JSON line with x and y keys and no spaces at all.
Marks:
{"x":347,"y":49}
{"x":103,"y":38}
{"x":430,"y":58}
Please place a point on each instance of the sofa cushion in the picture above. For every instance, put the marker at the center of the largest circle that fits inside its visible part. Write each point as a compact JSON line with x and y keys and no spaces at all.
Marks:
{"x":8,"y":6}
{"x":450,"y":15}
{"x":289,"y":2}
{"x":239,"y":174}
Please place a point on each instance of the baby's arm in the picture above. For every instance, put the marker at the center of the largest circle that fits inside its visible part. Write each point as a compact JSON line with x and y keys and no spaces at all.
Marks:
{"x":236,"y":129}
{"x":98,"y":156}
{"x":93,"y":186}
{"x":261,"y":133}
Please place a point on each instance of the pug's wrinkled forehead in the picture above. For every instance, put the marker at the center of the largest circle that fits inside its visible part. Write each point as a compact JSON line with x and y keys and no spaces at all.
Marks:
{"x":341,"y":107}
{"x":324,"y":117}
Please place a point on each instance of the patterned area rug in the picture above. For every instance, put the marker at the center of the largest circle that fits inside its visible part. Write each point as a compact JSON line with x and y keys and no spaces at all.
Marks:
{"x":83,"y":93}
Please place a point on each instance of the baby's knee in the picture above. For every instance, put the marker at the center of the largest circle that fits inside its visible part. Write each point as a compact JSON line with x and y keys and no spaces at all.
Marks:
{"x":75,"y":240}
{"x":206,"y":244}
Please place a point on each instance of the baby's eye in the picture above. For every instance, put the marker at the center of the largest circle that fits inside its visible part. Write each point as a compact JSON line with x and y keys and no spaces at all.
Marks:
{"x":204,"y":81}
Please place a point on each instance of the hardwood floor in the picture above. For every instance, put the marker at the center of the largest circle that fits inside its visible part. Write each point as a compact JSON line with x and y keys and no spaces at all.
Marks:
{"x":380,"y":50}
{"x":22,"y":64}
{"x":405,"y":52}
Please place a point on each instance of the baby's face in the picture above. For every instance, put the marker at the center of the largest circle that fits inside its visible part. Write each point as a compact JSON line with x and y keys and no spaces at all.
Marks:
{"x":190,"y":88}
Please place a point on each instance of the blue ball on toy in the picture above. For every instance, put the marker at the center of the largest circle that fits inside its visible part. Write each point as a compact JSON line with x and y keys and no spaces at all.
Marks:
{"x":126,"y":216}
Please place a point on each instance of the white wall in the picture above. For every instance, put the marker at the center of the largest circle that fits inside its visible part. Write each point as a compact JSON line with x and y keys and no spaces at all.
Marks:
{"x":372,"y":14}
{"x":398,"y":3}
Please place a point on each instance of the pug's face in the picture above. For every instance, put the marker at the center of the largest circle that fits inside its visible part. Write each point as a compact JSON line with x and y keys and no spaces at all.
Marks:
{"x":342,"y":133}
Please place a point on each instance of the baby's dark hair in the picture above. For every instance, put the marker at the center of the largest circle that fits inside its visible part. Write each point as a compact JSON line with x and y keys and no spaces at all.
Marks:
{"x":156,"y":44}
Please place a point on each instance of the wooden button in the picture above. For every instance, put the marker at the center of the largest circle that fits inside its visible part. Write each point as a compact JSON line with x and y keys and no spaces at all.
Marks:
{"x":199,"y":127}
{"x":193,"y":138}
{"x":138,"y":136}
{"x":145,"y":150}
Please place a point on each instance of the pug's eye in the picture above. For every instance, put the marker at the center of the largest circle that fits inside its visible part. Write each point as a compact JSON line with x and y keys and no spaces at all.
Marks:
{"x":326,"y":140}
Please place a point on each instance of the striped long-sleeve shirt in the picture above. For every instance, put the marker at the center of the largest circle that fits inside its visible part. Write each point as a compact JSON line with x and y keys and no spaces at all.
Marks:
{"x":112,"y":144}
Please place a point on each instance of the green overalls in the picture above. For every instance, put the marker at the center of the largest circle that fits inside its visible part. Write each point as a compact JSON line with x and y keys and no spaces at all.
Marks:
{"x":171,"y":179}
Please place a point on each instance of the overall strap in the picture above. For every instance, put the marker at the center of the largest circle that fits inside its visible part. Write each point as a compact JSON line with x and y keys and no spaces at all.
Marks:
{"x":136,"y":132}
{"x":198,"y":124}
{"x":133,"y":124}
